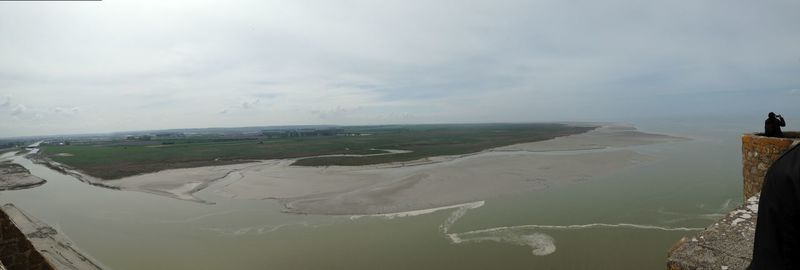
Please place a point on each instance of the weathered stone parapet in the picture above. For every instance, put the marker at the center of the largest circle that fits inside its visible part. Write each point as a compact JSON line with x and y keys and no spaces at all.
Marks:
{"x":758,"y":154}
{"x":16,"y":251}
{"x":726,"y":244}
{"x":27,"y":243}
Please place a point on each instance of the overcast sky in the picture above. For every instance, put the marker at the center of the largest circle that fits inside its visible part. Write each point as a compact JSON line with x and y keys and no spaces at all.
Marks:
{"x":80,"y":67}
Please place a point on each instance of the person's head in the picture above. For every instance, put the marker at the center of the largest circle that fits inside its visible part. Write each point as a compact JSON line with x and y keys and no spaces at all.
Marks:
{"x":771,"y":115}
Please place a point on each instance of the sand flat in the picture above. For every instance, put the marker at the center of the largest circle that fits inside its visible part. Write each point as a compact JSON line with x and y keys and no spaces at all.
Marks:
{"x":408,"y":186}
{"x":177,"y":183}
{"x":466,"y":180}
{"x":13,"y":176}
{"x":606,"y":136}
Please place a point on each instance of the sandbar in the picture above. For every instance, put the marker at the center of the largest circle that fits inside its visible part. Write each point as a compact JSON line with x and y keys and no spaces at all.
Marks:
{"x":14,"y":176}
{"x":409,"y":186}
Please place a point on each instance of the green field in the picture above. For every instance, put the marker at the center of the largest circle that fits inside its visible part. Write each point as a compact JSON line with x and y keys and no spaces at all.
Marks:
{"x":119,"y":158}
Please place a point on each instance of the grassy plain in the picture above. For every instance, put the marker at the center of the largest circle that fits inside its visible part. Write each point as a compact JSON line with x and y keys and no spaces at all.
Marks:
{"x":119,"y":158}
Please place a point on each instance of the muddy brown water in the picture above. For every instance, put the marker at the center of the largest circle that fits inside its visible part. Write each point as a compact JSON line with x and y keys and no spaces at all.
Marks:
{"x":627,"y":220}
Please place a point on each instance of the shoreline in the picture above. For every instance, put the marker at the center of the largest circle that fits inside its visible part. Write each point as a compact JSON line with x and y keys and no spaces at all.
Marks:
{"x":67,"y":170}
{"x":428,"y":183}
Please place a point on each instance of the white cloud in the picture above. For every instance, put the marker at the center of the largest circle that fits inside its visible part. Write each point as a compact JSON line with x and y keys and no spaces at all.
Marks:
{"x":62,"y":111}
{"x":250,"y":104}
{"x":336,"y":113}
{"x":19,"y":109}
{"x":133,"y":65}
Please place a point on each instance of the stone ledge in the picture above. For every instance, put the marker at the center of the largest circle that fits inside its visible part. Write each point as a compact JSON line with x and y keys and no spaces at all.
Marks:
{"x":56,"y":250}
{"x":758,"y":153}
{"x":726,"y":244}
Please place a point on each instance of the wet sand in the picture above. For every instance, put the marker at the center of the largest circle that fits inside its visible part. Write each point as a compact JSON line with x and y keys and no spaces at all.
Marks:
{"x":455,"y":182}
{"x":408,"y":186}
{"x":13,"y":176}
{"x":176,"y":183}
{"x":607,"y":136}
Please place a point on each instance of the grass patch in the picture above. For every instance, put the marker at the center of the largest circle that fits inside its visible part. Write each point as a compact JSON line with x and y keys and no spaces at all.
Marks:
{"x":116,"y":159}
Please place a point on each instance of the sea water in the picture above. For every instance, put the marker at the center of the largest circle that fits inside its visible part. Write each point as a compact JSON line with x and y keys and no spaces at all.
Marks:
{"x":626,"y":220}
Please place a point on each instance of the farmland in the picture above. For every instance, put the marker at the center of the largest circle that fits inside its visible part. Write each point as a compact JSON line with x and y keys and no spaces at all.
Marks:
{"x":118,"y":157}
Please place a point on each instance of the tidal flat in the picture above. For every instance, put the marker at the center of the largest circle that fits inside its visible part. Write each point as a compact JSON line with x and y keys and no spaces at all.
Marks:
{"x":521,"y":229}
{"x":407,"y":186}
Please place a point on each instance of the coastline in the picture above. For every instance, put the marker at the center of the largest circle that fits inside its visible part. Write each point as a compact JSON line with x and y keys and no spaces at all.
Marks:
{"x":67,"y":170}
{"x":397,"y":187}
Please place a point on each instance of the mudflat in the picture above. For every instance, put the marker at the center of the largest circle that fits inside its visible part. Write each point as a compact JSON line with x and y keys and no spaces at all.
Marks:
{"x":116,"y":158}
{"x":14,"y":176}
{"x":406,"y":186}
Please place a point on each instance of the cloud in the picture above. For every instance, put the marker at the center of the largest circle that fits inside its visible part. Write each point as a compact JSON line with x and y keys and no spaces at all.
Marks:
{"x":60,"y":110}
{"x":250,"y":104}
{"x":19,"y":109}
{"x":793,"y":92}
{"x":244,"y":105}
{"x":334,"y":113}
{"x":365,"y":62}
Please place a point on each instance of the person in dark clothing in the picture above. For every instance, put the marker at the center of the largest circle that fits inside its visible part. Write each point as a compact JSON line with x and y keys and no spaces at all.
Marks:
{"x":773,"y":124}
{"x":777,"y":240}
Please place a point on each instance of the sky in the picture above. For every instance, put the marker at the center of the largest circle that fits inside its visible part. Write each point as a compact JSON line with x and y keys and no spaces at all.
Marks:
{"x":88,"y":67}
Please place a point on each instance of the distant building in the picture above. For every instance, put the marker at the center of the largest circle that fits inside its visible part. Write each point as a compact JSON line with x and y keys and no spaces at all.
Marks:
{"x":303,"y":132}
{"x":138,"y":138}
{"x":170,"y":135}
{"x":273,"y":134}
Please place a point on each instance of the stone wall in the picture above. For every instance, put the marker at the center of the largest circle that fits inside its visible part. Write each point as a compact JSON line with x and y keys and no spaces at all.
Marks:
{"x":36,"y":240}
{"x":16,"y":251}
{"x":728,"y":243}
{"x":758,"y":153}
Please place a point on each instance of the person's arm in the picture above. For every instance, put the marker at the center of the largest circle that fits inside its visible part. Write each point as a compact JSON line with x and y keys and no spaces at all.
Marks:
{"x":783,"y":123}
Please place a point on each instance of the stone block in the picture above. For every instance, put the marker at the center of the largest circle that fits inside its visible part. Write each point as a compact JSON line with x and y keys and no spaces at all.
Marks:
{"x":758,"y":154}
{"x":726,"y":244}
